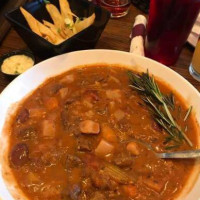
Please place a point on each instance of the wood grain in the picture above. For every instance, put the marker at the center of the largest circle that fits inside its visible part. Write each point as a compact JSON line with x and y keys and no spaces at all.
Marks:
{"x":4,"y":24}
{"x":115,"y":36}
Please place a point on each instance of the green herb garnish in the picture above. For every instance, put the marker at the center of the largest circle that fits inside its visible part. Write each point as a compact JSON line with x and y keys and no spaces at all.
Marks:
{"x":160,"y":106}
{"x":58,"y":30}
{"x":188,"y":113}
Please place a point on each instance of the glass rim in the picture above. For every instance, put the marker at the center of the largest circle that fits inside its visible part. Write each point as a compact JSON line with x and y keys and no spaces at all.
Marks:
{"x":116,"y":6}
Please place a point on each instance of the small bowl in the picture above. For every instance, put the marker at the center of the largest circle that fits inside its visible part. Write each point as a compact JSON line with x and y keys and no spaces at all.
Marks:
{"x":13,"y":53}
{"x":85,"y":39}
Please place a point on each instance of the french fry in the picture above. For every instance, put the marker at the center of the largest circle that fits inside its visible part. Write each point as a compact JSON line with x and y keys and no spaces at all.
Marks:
{"x":55,"y":15}
{"x":58,"y":21}
{"x":65,"y":10}
{"x":45,"y":31}
{"x":38,"y":27}
{"x":63,"y":26}
{"x":58,"y":38}
{"x":85,"y":23}
{"x":32,"y":22}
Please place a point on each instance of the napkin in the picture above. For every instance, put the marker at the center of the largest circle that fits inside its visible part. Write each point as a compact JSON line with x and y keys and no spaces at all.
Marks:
{"x":138,"y":34}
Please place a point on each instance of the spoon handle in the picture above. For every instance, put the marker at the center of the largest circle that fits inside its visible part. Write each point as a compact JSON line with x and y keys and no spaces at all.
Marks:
{"x":180,"y":154}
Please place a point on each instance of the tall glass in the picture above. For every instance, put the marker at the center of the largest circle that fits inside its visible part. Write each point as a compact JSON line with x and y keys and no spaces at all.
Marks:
{"x":195,"y":65}
{"x":170,"y":22}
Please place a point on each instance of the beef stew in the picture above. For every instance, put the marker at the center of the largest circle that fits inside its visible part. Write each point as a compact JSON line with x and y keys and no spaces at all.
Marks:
{"x":75,"y":137}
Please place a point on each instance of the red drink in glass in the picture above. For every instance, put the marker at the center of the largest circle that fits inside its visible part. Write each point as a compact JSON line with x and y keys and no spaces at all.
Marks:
{"x":170,"y":22}
{"x":117,"y":8}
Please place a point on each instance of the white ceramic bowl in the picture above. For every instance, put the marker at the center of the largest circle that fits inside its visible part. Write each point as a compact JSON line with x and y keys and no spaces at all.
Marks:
{"x":31,"y":79}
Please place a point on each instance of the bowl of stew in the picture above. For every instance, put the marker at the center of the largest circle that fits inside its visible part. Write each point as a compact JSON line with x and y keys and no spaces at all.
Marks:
{"x":74,"y":127}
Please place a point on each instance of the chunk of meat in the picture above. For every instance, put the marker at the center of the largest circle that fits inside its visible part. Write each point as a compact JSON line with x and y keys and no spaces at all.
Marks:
{"x":23,"y":116}
{"x":89,"y":127}
{"x":48,"y":129}
{"x":99,"y":180}
{"x":84,"y":144}
{"x":130,"y":190}
{"x":123,"y":160}
{"x":98,"y":196}
{"x":119,"y":115}
{"x":133,"y":148}
{"x":72,"y":161}
{"x":104,"y":148}
{"x":154,"y":184}
{"x":19,"y":155}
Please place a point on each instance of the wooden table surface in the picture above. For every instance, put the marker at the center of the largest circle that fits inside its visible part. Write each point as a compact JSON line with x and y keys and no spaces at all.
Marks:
{"x":115,"y":36}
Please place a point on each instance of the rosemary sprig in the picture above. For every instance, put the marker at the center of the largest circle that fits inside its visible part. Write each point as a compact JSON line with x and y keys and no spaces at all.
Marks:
{"x":160,"y":105}
{"x":169,"y":100}
{"x":188,"y":113}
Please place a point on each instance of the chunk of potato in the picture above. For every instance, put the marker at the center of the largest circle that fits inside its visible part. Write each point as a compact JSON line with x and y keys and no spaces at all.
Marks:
{"x":48,"y":129}
{"x":89,"y":127}
{"x":104,"y":148}
{"x":133,"y":148}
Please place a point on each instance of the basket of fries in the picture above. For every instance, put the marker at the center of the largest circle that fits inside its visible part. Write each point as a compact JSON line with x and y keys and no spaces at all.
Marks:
{"x":58,"y":26}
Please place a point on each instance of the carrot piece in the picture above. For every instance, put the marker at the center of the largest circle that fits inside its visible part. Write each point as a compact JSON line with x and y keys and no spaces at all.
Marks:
{"x":52,"y":103}
{"x":130,"y":190}
{"x":108,"y":133}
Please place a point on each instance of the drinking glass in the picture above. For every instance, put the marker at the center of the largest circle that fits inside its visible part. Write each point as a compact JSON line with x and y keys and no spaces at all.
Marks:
{"x":170,"y":22}
{"x":195,"y":65}
{"x":117,"y":8}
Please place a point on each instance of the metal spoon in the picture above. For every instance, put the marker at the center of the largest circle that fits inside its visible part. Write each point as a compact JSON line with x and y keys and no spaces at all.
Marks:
{"x":188,"y":154}
{"x":180,"y":154}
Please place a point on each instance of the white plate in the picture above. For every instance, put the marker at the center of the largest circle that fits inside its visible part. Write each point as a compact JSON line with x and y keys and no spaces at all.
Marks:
{"x":31,"y":79}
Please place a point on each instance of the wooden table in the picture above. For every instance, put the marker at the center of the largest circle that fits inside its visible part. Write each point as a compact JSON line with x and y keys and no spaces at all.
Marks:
{"x":115,"y":36}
